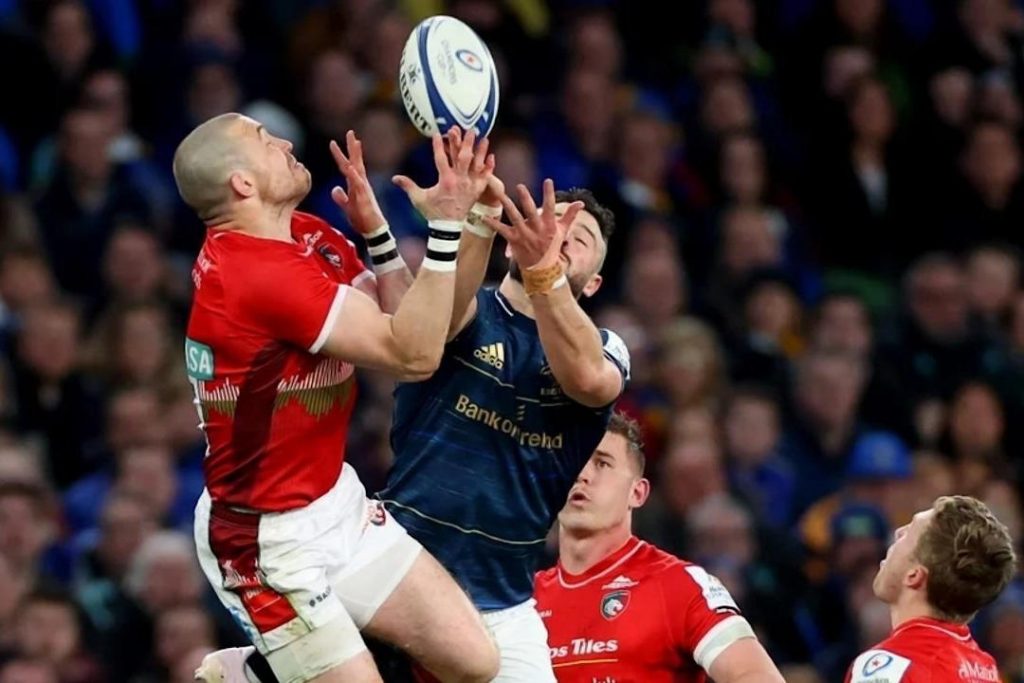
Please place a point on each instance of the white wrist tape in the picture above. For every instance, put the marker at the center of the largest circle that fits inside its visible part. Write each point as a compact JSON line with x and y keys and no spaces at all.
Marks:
{"x":475,"y":221}
{"x":442,"y":245}
{"x":383,"y":250}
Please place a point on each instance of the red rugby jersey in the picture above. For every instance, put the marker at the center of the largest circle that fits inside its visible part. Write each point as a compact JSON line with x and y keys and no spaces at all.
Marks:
{"x":640,"y":615}
{"x":925,"y":651}
{"x":275,"y":413}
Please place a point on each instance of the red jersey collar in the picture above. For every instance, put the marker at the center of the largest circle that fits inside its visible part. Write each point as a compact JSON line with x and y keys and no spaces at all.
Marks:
{"x":605,"y":566}
{"x":954,"y":630}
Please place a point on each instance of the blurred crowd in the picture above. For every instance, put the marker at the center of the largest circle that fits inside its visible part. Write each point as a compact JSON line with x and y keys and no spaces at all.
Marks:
{"x":817,"y":271}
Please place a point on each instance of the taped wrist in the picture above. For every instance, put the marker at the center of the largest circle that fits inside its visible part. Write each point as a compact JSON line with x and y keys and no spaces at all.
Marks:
{"x":442,"y":245}
{"x":383,"y":250}
{"x":543,"y":280}
{"x":475,"y":221}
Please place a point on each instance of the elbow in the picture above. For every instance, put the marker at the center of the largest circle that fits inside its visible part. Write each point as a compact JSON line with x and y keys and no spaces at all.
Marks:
{"x":420,"y":366}
{"x":587,"y":388}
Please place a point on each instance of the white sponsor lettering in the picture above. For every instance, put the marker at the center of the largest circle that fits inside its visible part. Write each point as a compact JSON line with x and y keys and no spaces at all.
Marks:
{"x":976,"y":671}
{"x":584,"y":646}
{"x":715,"y":594}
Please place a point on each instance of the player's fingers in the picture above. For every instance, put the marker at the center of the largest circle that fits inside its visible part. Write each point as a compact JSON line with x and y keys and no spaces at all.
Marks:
{"x":480,"y":156}
{"x":455,"y":140}
{"x":490,"y":163}
{"x":339,"y":196}
{"x":549,"y":196}
{"x":466,"y":150}
{"x":506,"y":231}
{"x":529,"y":206}
{"x":339,"y":157}
{"x":452,"y":140}
{"x":570,"y":214}
{"x":355,"y":150}
{"x":511,"y":210}
{"x":440,"y":158}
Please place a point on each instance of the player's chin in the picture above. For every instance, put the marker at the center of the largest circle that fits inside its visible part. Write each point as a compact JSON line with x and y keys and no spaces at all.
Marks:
{"x":575,"y":518}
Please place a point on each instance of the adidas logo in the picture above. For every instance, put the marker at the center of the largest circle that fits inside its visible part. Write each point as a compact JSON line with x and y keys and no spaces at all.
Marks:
{"x":492,"y":354}
{"x":619,"y":582}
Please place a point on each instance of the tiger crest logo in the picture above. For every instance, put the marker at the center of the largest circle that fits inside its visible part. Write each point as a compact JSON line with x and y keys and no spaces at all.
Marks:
{"x":614,"y":604}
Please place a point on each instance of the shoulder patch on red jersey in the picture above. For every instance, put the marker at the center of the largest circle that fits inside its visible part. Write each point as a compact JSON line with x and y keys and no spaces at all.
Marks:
{"x":715,"y":594}
{"x":879,"y":666}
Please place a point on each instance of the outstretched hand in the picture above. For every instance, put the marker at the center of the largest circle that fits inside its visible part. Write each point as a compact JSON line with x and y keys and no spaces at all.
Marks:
{"x":460,"y":179}
{"x":534,"y":235}
{"x":359,"y":203}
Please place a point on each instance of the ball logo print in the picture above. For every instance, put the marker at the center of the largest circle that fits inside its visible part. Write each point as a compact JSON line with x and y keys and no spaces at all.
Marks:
{"x":447,"y":77}
{"x":469,"y":59}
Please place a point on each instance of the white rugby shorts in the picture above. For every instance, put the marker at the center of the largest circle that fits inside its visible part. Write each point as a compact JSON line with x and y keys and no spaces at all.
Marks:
{"x":284,"y":575}
{"x":523,"y":644}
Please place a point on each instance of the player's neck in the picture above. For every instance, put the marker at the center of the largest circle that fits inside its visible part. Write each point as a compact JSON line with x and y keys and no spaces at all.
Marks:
{"x":261,"y":220}
{"x":516,"y":295}
{"x":912,"y":609}
{"x":578,"y":553}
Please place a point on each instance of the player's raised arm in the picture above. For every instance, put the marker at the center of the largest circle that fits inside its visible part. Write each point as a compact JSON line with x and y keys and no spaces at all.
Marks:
{"x":360,"y":205}
{"x":477,"y":238}
{"x":409,"y":343}
{"x":475,"y":248}
{"x":575,"y":350}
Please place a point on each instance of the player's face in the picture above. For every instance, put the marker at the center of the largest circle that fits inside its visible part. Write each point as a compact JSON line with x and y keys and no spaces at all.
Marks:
{"x":900,"y":568}
{"x":280,"y":176}
{"x":607,"y":488}
{"x":582,"y":253}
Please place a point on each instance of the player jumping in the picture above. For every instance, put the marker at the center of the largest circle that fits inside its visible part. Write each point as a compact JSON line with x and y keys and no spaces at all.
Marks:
{"x":619,"y":609}
{"x":284,"y":531}
{"x":944,"y":566}
{"x":487,"y":449}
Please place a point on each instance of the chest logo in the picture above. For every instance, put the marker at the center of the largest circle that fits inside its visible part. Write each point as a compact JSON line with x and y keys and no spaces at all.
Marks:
{"x":614,"y":604}
{"x":619,"y":582}
{"x":492,"y":354}
{"x":330,"y":255}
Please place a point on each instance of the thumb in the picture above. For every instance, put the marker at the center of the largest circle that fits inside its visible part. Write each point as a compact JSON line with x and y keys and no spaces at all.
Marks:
{"x":569,"y":216}
{"x":406,"y":183}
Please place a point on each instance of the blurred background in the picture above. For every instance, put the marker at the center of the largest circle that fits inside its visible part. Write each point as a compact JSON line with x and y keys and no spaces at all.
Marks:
{"x":817,"y":271}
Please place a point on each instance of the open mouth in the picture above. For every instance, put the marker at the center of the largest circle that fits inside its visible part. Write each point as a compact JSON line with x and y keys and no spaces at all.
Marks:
{"x":578,"y":497}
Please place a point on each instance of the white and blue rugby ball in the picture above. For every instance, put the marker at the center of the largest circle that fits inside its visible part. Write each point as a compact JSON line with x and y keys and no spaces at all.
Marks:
{"x":447,"y":77}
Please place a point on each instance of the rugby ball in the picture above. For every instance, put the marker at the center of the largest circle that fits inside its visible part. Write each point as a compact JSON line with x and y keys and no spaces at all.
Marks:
{"x":447,"y":77}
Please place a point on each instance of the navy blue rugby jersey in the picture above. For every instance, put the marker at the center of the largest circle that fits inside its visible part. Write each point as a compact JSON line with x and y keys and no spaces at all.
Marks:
{"x":487,"y":449}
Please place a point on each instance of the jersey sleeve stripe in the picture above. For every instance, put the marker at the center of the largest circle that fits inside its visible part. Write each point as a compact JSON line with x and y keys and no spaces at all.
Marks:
{"x":332,"y":317}
{"x":719,"y":637}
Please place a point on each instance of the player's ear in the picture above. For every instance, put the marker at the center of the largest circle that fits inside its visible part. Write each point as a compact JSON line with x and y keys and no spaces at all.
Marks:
{"x":242,"y":184}
{"x":594,"y":284}
{"x":641,"y":491}
{"x":916,"y":577}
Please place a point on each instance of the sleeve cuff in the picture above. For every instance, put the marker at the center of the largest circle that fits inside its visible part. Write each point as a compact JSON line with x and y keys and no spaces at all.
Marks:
{"x":332,"y":317}
{"x":719,"y":637}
